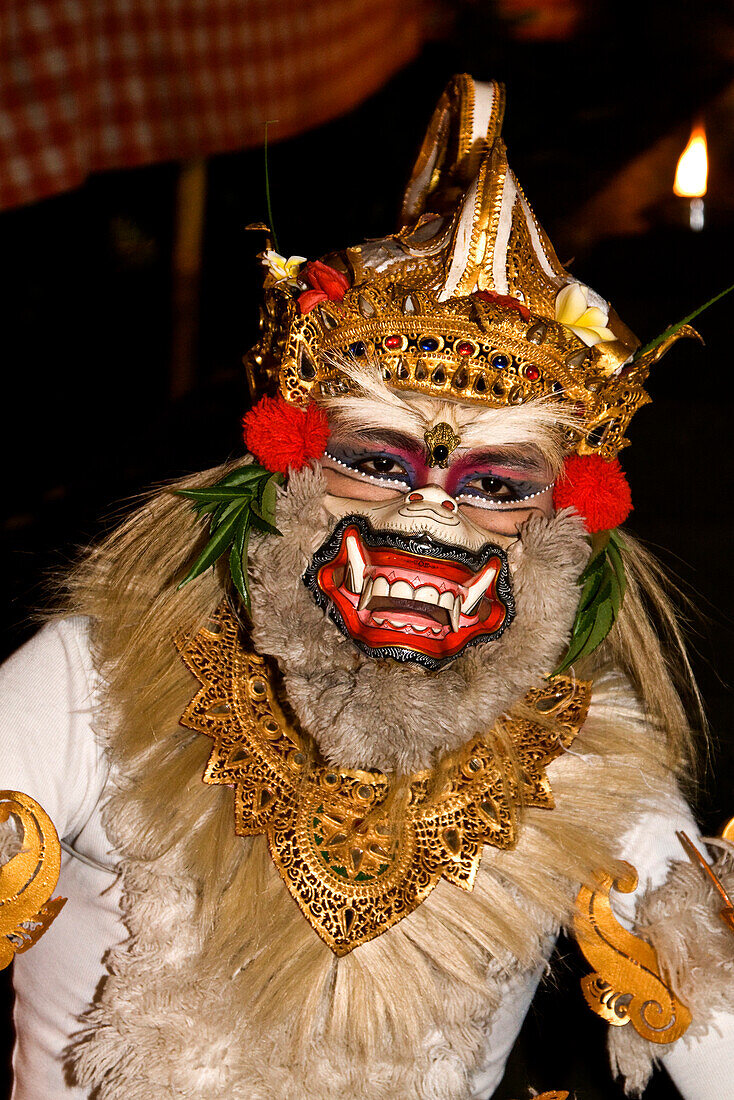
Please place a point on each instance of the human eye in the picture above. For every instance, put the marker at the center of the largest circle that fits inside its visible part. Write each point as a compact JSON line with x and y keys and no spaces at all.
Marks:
{"x":381,"y":465}
{"x":370,"y":464}
{"x":490,"y":490}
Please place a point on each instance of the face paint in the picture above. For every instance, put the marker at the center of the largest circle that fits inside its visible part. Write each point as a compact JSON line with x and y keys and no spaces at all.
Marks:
{"x":416,"y":568}
{"x":496,"y":488}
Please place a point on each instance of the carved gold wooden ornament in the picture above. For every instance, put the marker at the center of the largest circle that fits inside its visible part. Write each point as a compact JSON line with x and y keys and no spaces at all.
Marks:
{"x":626,"y":986}
{"x":28,"y":879}
{"x":551,"y":1095}
{"x":357,"y":851}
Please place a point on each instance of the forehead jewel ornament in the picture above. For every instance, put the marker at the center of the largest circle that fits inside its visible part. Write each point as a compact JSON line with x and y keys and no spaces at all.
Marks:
{"x":441,"y":441}
{"x":466,"y":301}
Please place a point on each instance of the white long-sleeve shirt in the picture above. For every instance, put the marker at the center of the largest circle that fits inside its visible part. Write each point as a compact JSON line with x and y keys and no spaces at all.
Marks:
{"x":48,"y":750}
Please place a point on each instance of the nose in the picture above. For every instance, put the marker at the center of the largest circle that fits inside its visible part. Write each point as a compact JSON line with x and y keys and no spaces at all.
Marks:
{"x":432,"y":497}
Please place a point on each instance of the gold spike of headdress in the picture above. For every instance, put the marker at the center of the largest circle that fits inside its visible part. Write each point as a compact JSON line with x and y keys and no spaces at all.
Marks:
{"x":467,"y":301}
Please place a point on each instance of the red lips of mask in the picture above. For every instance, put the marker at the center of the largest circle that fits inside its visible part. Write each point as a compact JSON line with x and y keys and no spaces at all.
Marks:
{"x":410,"y":599}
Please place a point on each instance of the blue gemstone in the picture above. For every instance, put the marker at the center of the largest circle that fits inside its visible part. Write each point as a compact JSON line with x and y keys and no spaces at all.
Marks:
{"x":428,"y":343}
{"x":357,"y":348}
{"x":501,"y":362}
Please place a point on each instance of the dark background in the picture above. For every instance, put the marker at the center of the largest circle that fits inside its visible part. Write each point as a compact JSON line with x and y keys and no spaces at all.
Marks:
{"x":89,"y":420}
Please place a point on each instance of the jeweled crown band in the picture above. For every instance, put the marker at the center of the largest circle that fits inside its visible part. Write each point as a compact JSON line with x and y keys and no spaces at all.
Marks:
{"x":465,"y":349}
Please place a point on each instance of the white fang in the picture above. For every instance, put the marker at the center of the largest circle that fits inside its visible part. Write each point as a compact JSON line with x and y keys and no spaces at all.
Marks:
{"x":357,"y":563}
{"x":477,"y":588}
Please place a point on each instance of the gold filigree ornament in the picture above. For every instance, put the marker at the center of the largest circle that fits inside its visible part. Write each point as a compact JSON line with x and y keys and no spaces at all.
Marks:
{"x":357,"y":851}
{"x":28,"y":879}
{"x":626,"y":986}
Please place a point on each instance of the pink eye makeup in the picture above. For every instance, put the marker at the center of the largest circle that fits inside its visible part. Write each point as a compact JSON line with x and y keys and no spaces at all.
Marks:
{"x":400,"y":468}
{"x":475,"y":479}
{"x":485,"y":481}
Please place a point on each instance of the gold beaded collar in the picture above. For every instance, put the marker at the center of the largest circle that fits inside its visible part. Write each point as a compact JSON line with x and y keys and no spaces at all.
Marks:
{"x":353,"y":863}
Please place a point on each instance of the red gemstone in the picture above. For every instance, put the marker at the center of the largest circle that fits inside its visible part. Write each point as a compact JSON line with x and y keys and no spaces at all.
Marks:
{"x":393,"y":341}
{"x":532,"y":374}
{"x":465,"y":348}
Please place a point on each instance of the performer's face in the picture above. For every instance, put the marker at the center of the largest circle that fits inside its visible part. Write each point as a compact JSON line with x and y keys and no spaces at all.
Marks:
{"x":494,"y":488}
{"x":417,"y":567}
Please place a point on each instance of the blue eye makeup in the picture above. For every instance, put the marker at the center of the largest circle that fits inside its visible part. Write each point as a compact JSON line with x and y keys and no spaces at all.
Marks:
{"x":487,"y":490}
{"x":381,"y":466}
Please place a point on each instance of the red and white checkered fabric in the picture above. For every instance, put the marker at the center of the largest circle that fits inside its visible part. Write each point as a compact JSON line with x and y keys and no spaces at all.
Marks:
{"x":92,"y":84}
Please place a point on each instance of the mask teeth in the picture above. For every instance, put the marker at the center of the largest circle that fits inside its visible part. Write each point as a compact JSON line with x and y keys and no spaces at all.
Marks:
{"x":357,"y":564}
{"x":476,"y":590}
{"x":401,"y":589}
{"x":366,"y":594}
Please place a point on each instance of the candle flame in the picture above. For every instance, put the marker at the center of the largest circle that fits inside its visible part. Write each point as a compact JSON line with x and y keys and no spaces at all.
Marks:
{"x":691,"y":174}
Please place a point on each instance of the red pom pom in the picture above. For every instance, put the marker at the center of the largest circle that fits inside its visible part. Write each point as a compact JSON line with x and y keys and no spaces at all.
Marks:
{"x":597,"y":488}
{"x":282,"y":436}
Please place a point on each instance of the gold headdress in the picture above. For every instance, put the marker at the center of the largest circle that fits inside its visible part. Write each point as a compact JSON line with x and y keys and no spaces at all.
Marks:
{"x":468,"y":300}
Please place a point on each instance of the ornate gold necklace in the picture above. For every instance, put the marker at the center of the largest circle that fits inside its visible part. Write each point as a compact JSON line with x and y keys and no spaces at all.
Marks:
{"x":354,"y":860}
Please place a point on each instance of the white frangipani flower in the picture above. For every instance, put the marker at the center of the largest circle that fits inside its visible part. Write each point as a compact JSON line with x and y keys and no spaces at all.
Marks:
{"x":280,"y":267}
{"x":587,"y":322}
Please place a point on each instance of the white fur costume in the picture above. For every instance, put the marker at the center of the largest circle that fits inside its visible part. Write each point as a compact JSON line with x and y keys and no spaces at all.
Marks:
{"x":181,"y":1014}
{"x":181,"y":969}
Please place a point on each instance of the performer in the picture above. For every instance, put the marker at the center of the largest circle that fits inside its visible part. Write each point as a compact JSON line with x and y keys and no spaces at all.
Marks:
{"x":333,"y":765}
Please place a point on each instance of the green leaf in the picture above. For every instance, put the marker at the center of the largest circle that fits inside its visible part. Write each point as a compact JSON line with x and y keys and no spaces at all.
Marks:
{"x":224,"y":512}
{"x":615,"y":559}
{"x":261,"y":524}
{"x":215,"y":547}
{"x":603,"y":585}
{"x":679,"y":324}
{"x":238,"y":562}
{"x":585,"y":620}
{"x":215,"y":493}
{"x":230,"y":484}
{"x":590,"y":591}
{"x":599,"y":542}
{"x":574,"y":649}
{"x":243,"y":499}
{"x":251,"y":471}
{"x":263,"y":509}
{"x":202,"y":509}
{"x":268,"y":499}
{"x":604,"y":623}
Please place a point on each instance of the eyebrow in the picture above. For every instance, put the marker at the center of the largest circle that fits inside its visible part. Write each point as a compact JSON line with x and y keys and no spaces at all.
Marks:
{"x":387,"y":437}
{"x":523,"y":457}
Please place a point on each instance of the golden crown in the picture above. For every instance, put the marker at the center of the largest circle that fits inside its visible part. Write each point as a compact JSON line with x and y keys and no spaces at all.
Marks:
{"x":467,"y":301}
